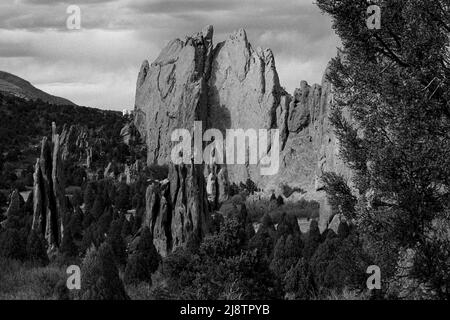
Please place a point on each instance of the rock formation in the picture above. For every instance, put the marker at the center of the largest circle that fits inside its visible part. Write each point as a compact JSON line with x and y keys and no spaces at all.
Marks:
{"x":76,"y":145}
{"x":177,"y":208}
{"x":16,"y":204}
{"x":336,"y":222}
{"x":233,"y":86}
{"x":128,"y":133}
{"x":49,"y":200}
{"x":171,"y":94}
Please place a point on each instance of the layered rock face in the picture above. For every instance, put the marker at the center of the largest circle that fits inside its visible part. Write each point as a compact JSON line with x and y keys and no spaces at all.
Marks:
{"x":171,"y":94}
{"x":75,"y":144}
{"x":177,"y":209}
{"x":49,"y":200}
{"x":233,"y":86}
{"x":311,"y":147}
{"x":16,"y":204}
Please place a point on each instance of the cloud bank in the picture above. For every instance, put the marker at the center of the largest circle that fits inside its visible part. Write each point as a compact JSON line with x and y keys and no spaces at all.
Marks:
{"x":97,"y":66}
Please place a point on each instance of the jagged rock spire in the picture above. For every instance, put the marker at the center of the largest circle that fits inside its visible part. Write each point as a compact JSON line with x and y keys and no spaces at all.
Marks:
{"x":49,"y":201}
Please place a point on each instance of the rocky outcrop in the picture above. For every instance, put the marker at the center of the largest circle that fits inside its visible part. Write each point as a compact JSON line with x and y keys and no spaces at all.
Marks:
{"x":177,"y":209}
{"x":75,"y":144}
{"x":16,"y":205}
{"x":244,"y":92}
{"x":128,"y":134}
{"x":49,"y":200}
{"x":171,"y":93}
{"x":234,"y":86}
{"x":336,"y":223}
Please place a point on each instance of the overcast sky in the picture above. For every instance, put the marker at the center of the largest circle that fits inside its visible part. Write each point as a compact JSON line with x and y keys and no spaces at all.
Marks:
{"x":97,"y":66}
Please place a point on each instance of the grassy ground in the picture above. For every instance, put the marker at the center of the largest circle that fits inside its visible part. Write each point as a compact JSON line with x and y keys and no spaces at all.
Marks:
{"x":20,"y":281}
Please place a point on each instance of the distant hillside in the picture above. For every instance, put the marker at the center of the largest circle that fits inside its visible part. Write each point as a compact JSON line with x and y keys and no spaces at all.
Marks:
{"x":23,"y":123}
{"x":13,"y":85}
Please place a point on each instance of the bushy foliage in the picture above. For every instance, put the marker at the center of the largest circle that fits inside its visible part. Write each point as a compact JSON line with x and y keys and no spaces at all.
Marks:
{"x":394,"y":83}
{"x":339,"y":195}
{"x":264,"y":239}
{"x":37,"y":249}
{"x":115,"y":240}
{"x":299,"y":281}
{"x":223,"y":268}
{"x":101,"y":279}
{"x":144,"y":262}
{"x":68,"y":246}
{"x":312,"y":240}
{"x":12,"y":244}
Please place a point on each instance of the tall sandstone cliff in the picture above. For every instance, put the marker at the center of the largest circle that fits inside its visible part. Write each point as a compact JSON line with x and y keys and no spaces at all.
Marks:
{"x":230,"y":86}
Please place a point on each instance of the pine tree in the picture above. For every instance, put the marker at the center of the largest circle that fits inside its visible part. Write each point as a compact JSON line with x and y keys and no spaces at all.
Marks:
{"x":36,"y":248}
{"x":99,"y":206}
{"x":299,"y":281}
{"x":126,"y":229}
{"x":115,"y":240}
{"x":122,"y":200}
{"x":264,"y":239}
{"x":68,"y":247}
{"x":89,"y":195}
{"x":101,"y":279}
{"x":394,"y":83}
{"x":12,"y":245}
{"x":288,"y":250}
{"x":144,"y":262}
{"x":313,"y":240}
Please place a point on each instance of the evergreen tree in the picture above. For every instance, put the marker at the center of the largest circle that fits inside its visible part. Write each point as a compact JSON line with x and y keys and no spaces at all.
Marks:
{"x":101,"y":279}
{"x":126,"y":229}
{"x":228,"y":242}
{"x":299,"y":281}
{"x":12,"y":245}
{"x":88,"y":239}
{"x":68,"y":247}
{"x":89,"y":195}
{"x":339,"y":195}
{"x":264,"y":239}
{"x":394,"y":83}
{"x":313,"y":240}
{"x":36,"y":248}
{"x":144,"y":262}
{"x":280,"y":201}
{"x":115,"y":240}
{"x":288,"y":225}
{"x":88,"y":219}
{"x":99,"y":206}
{"x":75,"y":224}
{"x":122,"y":200}
{"x":287,"y":252}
